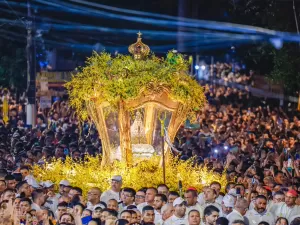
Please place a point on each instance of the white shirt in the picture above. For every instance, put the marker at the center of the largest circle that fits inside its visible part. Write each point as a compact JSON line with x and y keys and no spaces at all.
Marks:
{"x":35,"y":207}
{"x":51,"y":203}
{"x":282,"y":210}
{"x":158,"y":217}
{"x":235,"y":215}
{"x":212,"y":203}
{"x":255,"y":218}
{"x":108,"y":195}
{"x":174,"y":220}
{"x":141,"y":206}
{"x":197,"y":207}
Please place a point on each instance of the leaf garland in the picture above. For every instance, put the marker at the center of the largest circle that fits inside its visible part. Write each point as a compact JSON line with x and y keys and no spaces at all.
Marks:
{"x":111,"y":79}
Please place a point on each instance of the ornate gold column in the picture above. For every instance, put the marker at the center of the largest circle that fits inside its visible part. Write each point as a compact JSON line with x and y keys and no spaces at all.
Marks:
{"x":178,"y":117}
{"x":97,"y":116}
{"x":124,"y":129}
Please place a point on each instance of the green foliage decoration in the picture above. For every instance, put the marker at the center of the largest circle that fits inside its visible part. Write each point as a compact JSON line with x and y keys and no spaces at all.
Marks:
{"x":112,"y":79}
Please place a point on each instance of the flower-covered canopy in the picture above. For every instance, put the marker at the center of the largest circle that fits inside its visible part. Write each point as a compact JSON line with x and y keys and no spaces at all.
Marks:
{"x":125,"y":83}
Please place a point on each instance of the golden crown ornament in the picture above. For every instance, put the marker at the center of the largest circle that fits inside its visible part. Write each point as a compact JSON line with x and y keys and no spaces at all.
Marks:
{"x":139,"y":50}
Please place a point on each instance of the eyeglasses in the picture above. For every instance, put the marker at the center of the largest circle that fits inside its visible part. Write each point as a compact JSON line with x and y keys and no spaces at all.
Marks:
{"x":128,"y":196}
{"x":139,"y":196}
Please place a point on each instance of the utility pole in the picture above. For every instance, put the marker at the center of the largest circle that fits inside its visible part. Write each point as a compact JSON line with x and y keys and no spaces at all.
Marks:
{"x":31,"y":68}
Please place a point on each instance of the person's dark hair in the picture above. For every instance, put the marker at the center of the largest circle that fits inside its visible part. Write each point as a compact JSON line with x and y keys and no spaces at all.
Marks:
{"x":210,"y":209}
{"x":175,"y":193}
{"x":264,"y":223}
{"x":261,"y":197}
{"x":282,"y":218}
{"x":278,"y":172}
{"x":62,"y":204}
{"x":78,"y":189}
{"x":9,"y":177}
{"x":125,"y":211}
{"x":69,"y":214}
{"x":278,"y":193}
{"x":131,"y":207}
{"x":193,"y":210}
{"x":222,"y":221}
{"x":97,"y":220}
{"x":162,"y":197}
{"x":121,"y":222}
{"x":147,"y":208}
{"x":240,"y":222}
{"x":296,"y":221}
{"x":111,"y":212}
{"x":26,"y":200}
{"x":36,"y":194}
{"x":131,"y":191}
{"x":20,"y":184}
{"x":163,"y":185}
{"x":152,"y":188}
{"x":215,"y":182}
{"x":25,"y":168}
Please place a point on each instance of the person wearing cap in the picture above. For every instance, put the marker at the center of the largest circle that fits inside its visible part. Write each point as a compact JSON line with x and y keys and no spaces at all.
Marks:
{"x":239,"y":211}
{"x":190,"y":196}
{"x":178,"y":217}
{"x":288,"y":208}
{"x":52,"y":200}
{"x":227,"y":205}
{"x":114,"y":192}
{"x":64,"y":187}
{"x":260,"y":212}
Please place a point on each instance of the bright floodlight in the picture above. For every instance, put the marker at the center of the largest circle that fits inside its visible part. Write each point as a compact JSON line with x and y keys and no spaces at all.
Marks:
{"x":197,"y":67}
{"x":203,"y":67}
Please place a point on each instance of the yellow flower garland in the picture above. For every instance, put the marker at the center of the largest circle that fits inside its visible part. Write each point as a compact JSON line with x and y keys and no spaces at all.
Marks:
{"x":145,"y":173}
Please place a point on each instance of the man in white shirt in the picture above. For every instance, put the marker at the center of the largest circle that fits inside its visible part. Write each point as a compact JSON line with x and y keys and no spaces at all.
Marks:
{"x":260,"y":212}
{"x":38,"y":199}
{"x":128,"y":198}
{"x":287,"y":209}
{"x":190,"y":196}
{"x":93,"y":198}
{"x":240,"y":209}
{"x":210,"y":199}
{"x":114,"y":192}
{"x":159,"y":201}
{"x":227,"y":205}
{"x":149,"y":199}
{"x":179,"y":213}
{"x":166,"y":212}
{"x":217,"y":187}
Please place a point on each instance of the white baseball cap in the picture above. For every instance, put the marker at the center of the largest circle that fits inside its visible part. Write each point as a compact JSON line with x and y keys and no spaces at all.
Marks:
{"x":228,"y":201}
{"x":178,"y":201}
{"x":117,"y":178}
{"x":48,"y":184}
{"x":65,"y":183}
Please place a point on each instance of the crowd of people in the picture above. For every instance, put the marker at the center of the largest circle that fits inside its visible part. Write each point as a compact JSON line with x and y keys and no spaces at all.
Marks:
{"x":256,"y":144}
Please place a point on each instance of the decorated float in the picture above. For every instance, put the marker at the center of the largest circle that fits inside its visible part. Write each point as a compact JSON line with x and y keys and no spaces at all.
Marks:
{"x":134,"y":100}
